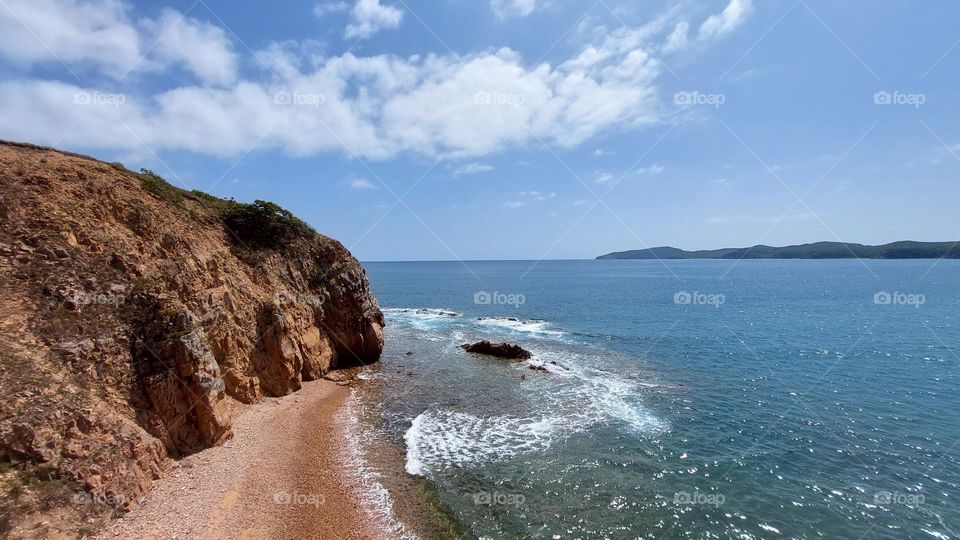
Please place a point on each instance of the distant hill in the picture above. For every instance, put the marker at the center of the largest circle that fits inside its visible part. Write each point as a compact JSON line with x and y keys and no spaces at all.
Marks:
{"x":818,"y":250}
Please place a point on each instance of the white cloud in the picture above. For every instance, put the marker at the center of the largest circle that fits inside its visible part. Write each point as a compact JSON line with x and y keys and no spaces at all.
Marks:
{"x":715,"y":26}
{"x":603,"y":178}
{"x":600,"y":152}
{"x":305,"y":103}
{"x":528,"y":197}
{"x":472,"y":168}
{"x":95,"y":32}
{"x":362,"y":183}
{"x":652,"y":169}
{"x":369,"y":17}
{"x":677,"y":40}
{"x":505,"y":9}
{"x":325,"y":8}
{"x":727,"y":20}
{"x":100,"y":34}
{"x":538,"y":196}
{"x":203,"y":49}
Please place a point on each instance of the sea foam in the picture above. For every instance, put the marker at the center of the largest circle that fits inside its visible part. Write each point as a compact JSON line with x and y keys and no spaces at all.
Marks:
{"x":520,"y":326}
{"x":440,"y":438}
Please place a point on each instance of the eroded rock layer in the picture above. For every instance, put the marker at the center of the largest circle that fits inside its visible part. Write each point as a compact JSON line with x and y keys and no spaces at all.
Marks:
{"x":133,"y":322}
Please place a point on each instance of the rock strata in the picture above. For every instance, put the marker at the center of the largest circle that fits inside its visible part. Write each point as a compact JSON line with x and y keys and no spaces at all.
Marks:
{"x":134,"y":323}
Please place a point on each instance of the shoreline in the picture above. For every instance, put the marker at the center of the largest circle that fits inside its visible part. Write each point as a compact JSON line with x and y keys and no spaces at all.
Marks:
{"x":283,"y":475}
{"x":406,"y":505}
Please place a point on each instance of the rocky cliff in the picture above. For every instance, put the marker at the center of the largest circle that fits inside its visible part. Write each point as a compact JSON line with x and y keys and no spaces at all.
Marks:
{"x":136,"y":318}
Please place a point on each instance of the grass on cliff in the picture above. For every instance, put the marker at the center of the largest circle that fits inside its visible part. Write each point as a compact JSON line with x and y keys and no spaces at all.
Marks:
{"x":256,"y":225}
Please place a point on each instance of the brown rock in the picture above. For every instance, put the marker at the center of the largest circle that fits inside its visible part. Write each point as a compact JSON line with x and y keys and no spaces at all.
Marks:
{"x":132,"y":324}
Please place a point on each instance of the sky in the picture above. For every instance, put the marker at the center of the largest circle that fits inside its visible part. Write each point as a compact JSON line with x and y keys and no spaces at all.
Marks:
{"x":514,"y":129}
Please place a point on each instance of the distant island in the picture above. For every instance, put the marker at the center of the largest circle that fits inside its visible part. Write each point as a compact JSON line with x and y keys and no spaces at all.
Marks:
{"x":817,"y":250}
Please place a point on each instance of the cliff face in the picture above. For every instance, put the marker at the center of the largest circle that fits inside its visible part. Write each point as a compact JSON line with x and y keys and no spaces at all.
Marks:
{"x":134,"y":321}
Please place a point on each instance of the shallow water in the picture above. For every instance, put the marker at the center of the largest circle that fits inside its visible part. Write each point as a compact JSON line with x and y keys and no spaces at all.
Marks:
{"x":782,"y":400}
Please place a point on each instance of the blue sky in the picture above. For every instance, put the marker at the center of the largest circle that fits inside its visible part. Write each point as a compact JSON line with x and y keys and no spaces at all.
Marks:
{"x":514,"y":129}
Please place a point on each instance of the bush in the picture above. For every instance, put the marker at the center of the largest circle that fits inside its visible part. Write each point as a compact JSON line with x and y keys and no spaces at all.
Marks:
{"x":264,"y":224}
{"x":159,"y":187}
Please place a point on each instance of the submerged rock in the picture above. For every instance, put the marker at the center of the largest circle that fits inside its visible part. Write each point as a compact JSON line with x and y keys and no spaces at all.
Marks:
{"x":500,"y":350}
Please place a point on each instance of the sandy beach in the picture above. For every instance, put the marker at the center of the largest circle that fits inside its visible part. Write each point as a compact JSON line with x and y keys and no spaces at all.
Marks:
{"x":281,"y":476}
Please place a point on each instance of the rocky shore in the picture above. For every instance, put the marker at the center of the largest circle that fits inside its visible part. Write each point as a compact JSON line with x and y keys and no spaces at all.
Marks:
{"x":137,"y":320}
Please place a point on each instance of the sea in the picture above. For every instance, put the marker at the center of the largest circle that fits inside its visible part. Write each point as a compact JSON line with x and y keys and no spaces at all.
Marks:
{"x":666,"y":399}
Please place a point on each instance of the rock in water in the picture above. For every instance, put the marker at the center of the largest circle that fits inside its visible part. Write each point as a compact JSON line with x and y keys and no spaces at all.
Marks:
{"x":500,"y":350}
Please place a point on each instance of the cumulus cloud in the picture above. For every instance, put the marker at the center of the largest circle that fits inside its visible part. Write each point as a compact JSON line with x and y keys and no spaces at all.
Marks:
{"x":526,"y":197}
{"x":652,"y":169}
{"x":714,"y":27}
{"x":369,"y":17}
{"x":472,"y":168}
{"x":727,"y":20}
{"x":603,"y":178}
{"x":202,"y":48}
{"x":101,"y":35}
{"x":362,"y":184}
{"x":46,"y":31}
{"x":306,"y":103}
{"x":505,"y":9}
{"x":677,"y":40}
{"x":323,"y":9}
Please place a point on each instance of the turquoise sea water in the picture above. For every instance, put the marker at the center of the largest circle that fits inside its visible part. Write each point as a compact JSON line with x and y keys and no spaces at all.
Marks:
{"x":683,"y":399}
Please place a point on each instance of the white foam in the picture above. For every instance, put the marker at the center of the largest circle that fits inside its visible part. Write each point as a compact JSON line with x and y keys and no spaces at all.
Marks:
{"x":521,"y":326}
{"x":612,"y":395}
{"x":427,"y":319}
{"x":438,"y":439}
{"x":424,"y":312}
{"x":554,"y":369}
{"x":571,"y":398}
{"x":605,"y":396}
{"x":375,"y":499}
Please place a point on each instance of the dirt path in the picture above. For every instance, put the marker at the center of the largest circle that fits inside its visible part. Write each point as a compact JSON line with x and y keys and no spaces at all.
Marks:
{"x":279,"y":478}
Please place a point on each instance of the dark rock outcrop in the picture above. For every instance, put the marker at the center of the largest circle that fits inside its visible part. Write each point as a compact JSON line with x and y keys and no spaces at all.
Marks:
{"x":500,"y":350}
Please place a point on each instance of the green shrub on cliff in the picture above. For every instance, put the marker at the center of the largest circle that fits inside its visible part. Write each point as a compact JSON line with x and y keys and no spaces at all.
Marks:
{"x":253,"y":226}
{"x":264,"y":224}
{"x":159,"y":187}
